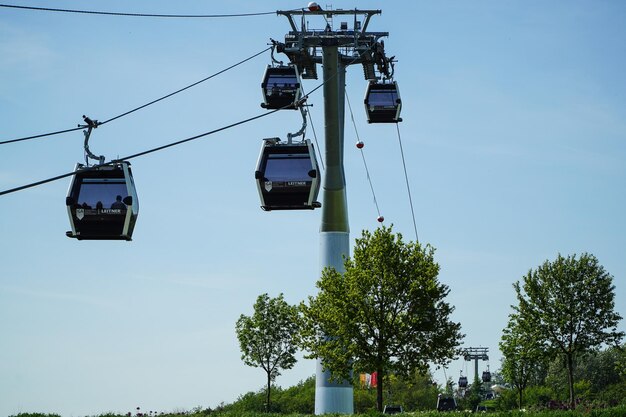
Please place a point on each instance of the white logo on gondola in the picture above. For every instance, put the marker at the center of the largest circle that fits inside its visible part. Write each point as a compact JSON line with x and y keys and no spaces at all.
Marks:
{"x":268,"y":186}
{"x":80,"y":213}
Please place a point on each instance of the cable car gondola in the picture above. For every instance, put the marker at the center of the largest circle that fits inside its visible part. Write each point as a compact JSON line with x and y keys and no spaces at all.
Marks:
{"x":486,"y":376}
{"x":382,"y":102}
{"x":463,"y":382}
{"x":102,"y":202}
{"x":287,"y":175}
{"x":281,"y":87}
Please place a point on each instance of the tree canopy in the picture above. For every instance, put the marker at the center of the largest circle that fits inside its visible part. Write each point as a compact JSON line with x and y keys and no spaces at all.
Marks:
{"x":522,"y":356}
{"x":387,"y":313}
{"x":267,"y":339}
{"x":568,"y":306}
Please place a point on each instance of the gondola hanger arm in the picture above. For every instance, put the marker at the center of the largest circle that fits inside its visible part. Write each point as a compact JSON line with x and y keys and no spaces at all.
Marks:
{"x":280,"y":47}
{"x":91,"y":124}
{"x":302,"y":130}
{"x":302,"y":102}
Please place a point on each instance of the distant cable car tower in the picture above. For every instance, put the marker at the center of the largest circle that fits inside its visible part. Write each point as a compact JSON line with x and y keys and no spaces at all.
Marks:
{"x":335,"y":50}
{"x":476,"y":354}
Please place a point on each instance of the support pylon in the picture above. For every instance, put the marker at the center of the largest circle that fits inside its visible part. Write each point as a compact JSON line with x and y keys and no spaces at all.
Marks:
{"x":339,"y":49}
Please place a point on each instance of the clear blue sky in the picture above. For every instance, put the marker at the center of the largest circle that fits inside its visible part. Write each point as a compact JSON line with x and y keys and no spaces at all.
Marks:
{"x":514,"y":135}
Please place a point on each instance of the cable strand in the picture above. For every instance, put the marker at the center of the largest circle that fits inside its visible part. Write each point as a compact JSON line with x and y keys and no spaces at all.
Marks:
{"x":9,"y":191}
{"x":41,"y":136}
{"x":140,"y":107}
{"x":367,"y":172}
{"x":317,"y":145}
{"x":169,"y":145}
{"x":187,"y":87}
{"x":186,"y":16}
{"x":406,"y":177}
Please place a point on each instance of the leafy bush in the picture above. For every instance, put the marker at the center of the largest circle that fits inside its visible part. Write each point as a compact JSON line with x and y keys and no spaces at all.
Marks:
{"x":364,"y":401}
{"x":583,"y":389}
{"x":583,"y":411}
{"x":297,"y":399}
{"x":507,"y":400}
{"x":539,"y":396}
{"x":35,"y":415}
{"x":611,"y":396}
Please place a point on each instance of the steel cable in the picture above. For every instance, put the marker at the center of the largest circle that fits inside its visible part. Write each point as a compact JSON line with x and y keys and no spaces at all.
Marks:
{"x":140,"y":107}
{"x":169,"y":145}
{"x":185,"y":16}
{"x":406,"y":177}
{"x":367,"y":172}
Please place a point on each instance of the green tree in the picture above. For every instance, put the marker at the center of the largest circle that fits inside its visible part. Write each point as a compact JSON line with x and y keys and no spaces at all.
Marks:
{"x":620,"y":362}
{"x":413,"y":393}
{"x":268,"y":338}
{"x":298,"y":399}
{"x":472,"y":396}
{"x":417,"y":392}
{"x":599,"y":369}
{"x":569,"y":306}
{"x":386,"y":313}
{"x":522,"y":356}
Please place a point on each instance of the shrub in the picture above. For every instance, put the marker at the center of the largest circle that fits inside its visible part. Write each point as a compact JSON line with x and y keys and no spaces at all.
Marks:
{"x":538,"y":396}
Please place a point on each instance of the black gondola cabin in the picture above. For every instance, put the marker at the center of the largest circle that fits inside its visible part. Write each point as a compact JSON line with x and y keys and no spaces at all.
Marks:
{"x":382,"y":102}
{"x":486,"y":376}
{"x":281,"y":87}
{"x":102,"y":202}
{"x":287,"y":176}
